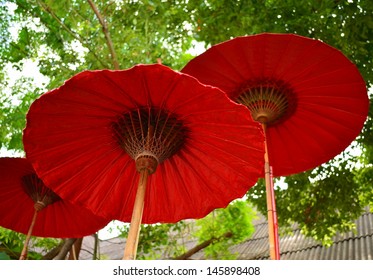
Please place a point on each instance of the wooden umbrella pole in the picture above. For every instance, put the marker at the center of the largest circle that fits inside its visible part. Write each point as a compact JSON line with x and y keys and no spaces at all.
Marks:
{"x":134,"y":232}
{"x":271,"y":205}
{"x":28,"y":237}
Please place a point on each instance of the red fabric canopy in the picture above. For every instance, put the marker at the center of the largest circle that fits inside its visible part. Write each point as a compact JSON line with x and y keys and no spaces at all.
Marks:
{"x":327,"y":96}
{"x":70,"y":140}
{"x":60,"y":219}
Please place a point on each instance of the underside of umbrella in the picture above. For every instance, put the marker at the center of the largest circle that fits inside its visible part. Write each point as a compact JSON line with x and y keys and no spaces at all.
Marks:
{"x":310,"y":99}
{"x":146,"y":145}
{"x":29,"y":207}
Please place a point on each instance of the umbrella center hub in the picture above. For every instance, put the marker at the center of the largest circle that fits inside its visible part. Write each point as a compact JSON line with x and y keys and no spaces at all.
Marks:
{"x":269,"y":101}
{"x":147,"y":162}
{"x":42,"y":196}
{"x":149,"y":136}
{"x":39,"y":205}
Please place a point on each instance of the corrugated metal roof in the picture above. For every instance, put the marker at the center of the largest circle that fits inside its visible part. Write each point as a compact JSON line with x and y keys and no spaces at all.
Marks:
{"x":112,"y":249}
{"x":353,"y":245}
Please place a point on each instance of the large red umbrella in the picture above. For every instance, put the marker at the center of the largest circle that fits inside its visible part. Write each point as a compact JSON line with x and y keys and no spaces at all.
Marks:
{"x":310,"y":99}
{"x":29,"y":207}
{"x":103,"y":133}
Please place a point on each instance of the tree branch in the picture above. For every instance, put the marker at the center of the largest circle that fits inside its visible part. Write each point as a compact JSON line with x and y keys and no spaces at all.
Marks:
{"x":105,"y":29}
{"x":75,"y":249}
{"x":202,"y":245}
{"x":10,"y":252}
{"x":65,"y":248}
{"x":75,"y":35}
{"x":54,"y":252}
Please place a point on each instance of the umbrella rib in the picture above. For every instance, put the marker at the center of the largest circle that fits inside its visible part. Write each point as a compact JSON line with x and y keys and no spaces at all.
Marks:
{"x":314,"y":65}
{"x":285,"y":50}
{"x":221,"y":139}
{"x":337,"y":110}
{"x":335,"y":122}
{"x":223,"y":56}
{"x":67,"y":162}
{"x":109,"y":112}
{"x":302,"y":54}
{"x":208,"y":69}
{"x":132,"y":190}
{"x":96,"y":105}
{"x":121,"y":90}
{"x":186,"y":188}
{"x":212,"y":111}
{"x":193,"y":97}
{"x":221,"y":151}
{"x":205,"y":185}
{"x":66,"y":145}
{"x":314,"y":140}
{"x":166,"y":174}
{"x":109,"y":190}
{"x":167,"y":92}
{"x":144,"y":84}
{"x":226,"y":180}
{"x":335,"y":97}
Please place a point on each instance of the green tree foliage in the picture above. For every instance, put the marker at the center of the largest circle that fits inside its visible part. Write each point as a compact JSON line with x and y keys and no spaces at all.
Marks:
{"x":225,"y":227}
{"x":66,"y":37}
{"x":322,"y":201}
{"x":11,"y":244}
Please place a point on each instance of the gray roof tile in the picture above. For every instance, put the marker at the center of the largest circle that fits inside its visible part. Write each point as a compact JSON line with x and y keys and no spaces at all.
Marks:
{"x":352,"y":245}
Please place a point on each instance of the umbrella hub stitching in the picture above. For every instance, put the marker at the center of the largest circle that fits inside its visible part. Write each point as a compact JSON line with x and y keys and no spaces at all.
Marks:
{"x":149,"y":136}
{"x":269,"y":101}
{"x":42,"y":196}
{"x":39,"y":205}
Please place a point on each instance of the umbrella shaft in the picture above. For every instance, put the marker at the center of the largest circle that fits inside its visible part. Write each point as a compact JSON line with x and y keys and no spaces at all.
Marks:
{"x":272,"y":217}
{"x":134,"y":232}
{"x":25,"y":245}
{"x":271,"y":206}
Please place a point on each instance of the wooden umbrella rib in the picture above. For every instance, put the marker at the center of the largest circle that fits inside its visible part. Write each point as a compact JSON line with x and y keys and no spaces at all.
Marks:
{"x":269,"y":101}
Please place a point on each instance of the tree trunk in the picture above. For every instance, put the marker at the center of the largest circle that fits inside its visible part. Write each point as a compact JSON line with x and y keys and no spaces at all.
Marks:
{"x":54,"y":252}
{"x":65,"y":248}
{"x":75,"y":250}
{"x":203,"y":245}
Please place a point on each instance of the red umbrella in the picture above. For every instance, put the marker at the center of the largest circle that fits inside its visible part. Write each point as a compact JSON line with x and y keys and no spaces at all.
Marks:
{"x":311,"y":100}
{"x":29,"y":207}
{"x":102,"y":128}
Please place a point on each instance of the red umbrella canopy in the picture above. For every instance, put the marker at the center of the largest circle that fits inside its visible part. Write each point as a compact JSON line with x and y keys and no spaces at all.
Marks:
{"x":84,"y":138}
{"x":21,"y":189}
{"x":311,"y":97}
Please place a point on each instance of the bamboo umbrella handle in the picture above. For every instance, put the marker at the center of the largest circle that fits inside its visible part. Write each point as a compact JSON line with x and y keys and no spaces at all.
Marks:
{"x":134,"y":232}
{"x":271,"y":205}
{"x":25,"y":245}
